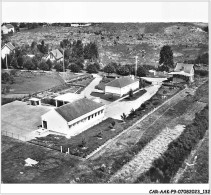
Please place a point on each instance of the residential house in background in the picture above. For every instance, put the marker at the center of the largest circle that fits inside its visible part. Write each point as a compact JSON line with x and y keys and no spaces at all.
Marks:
{"x":183,"y":73}
{"x":7,"y":28}
{"x":7,"y":49}
{"x":122,"y":86}
{"x":73,"y":118}
{"x":54,"y":55}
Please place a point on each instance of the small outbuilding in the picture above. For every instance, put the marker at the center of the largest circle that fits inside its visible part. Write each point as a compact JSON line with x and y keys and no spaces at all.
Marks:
{"x":35,"y":101}
{"x":122,"y":86}
{"x":67,"y":98}
{"x":73,"y":118}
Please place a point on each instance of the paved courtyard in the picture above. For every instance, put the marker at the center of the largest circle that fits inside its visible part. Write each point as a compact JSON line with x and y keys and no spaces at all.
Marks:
{"x":21,"y":119}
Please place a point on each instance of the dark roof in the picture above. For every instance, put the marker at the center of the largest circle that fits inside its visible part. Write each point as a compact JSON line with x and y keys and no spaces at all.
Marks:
{"x":121,"y":82}
{"x":9,"y":25}
{"x":78,"y":108}
{"x":57,"y":54}
{"x":9,"y":45}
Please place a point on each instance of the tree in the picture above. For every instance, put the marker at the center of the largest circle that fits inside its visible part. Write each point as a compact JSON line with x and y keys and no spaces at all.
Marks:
{"x":49,"y":63}
{"x":141,"y":71}
{"x":123,"y":117}
{"x":123,"y":70}
{"x":44,"y":66}
{"x":29,"y":65}
{"x":91,"y":51}
{"x":75,"y":68}
{"x":14,"y":63}
{"x":131,"y":94}
{"x":3,"y":63}
{"x":109,"y":69}
{"x":91,"y":68}
{"x":58,"y":67}
{"x":20,"y":61}
{"x":166,"y":56}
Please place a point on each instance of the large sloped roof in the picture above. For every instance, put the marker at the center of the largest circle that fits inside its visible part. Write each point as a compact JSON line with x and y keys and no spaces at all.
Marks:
{"x":78,"y":108}
{"x":57,"y":54}
{"x":121,"y":82}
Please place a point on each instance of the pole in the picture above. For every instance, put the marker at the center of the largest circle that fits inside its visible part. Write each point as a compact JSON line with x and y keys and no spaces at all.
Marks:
{"x":63,"y":61}
{"x":61,"y":148}
{"x":136,"y":65}
{"x":6,"y":62}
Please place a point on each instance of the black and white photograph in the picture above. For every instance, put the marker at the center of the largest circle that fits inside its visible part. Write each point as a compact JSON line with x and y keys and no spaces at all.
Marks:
{"x":105,"y":93}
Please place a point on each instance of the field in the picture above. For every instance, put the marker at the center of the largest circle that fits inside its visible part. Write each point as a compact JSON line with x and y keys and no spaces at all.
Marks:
{"x":51,"y":165}
{"x":120,"y":42}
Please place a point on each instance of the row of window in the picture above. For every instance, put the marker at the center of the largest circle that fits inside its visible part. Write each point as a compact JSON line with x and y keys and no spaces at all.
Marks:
{"x":87,"y":118}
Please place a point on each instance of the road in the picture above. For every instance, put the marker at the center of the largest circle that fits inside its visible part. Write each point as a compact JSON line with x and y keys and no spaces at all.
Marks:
{"x":91,"y":87}
{"x":116,"y":109}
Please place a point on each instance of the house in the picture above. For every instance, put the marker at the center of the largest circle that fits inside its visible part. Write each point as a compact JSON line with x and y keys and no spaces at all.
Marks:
{"x":183,"y":73}
{"x":121,"y":86}
{"x":67,"y":98}
{"x":7,"y":28}
{"x":7,"y":49}
{"x":54,"y":55}
{"x":73,"y":118}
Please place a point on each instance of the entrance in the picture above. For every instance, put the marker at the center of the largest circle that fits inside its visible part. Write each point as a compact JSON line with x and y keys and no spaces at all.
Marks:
{"x":45,"y":124}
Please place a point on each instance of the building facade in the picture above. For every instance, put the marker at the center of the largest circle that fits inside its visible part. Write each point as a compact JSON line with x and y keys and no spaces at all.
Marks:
{"x":7,"y":28}
{"x":122,"y":86}
{"x":73,"y":118}
{"x":7,"y":49}
{"x":54,"y":55}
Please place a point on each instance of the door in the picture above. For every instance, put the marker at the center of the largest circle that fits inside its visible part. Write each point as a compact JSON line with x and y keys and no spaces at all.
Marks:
{"x":45,"y":124}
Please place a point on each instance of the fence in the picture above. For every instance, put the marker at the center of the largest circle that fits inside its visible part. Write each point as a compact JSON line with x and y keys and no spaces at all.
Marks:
{"x":14,"y":135}
{"x":59,"y":149}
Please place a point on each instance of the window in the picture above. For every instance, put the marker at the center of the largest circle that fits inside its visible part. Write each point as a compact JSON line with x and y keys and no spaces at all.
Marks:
{"x":98,"y":112}
{"x":95,"y":114}
{"x":70,"y":126}
{"x":101,"y":111}
{"x":89,"y":117}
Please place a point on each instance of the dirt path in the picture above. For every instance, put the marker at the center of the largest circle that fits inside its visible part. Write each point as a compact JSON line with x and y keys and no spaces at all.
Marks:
{"x":144,"y":159}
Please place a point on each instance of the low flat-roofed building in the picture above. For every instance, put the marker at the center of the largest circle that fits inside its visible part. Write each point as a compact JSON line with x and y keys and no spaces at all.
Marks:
{"x":74,"y":118}
{"x":67,"y":98}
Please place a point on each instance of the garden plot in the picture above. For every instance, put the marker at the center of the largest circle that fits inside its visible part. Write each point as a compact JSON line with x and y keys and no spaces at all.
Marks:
{"x":143,"y":161}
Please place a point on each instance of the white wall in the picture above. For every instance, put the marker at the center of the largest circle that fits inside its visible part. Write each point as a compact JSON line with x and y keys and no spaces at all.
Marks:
{"x":114,"y":90}
{"x":55,"y":122}
{"x":127,"y":88}
{"x":5,"y":51}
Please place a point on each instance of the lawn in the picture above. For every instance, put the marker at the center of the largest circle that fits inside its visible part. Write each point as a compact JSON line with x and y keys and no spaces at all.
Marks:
{"x":51,"y":167}
{"x":86,"y":142}
{"x":30,"y":85}
{"x":199,"y":173}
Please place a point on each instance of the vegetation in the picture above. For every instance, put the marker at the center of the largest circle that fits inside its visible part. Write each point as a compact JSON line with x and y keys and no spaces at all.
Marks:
{"x":166,"y":167}
{"x":166,"y":58}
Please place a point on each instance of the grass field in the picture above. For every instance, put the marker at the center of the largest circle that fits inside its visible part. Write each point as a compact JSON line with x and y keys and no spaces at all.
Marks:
{"x":24,"y":85}
{"x":51,"y":165}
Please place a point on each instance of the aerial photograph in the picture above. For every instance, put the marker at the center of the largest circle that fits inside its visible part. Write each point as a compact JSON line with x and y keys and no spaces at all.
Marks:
{"x":104,"y":102}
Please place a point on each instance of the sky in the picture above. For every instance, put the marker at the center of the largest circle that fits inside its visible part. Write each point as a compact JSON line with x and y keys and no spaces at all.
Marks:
{"x":104,"y":12}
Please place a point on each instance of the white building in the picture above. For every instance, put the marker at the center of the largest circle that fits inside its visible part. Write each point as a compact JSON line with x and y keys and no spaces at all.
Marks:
{"x":74,"y":118}
{"x":121,"y":86}
{"x":183,"y":72}
{"x":67,"y":98}
{"x":7,"y":28}
{"x":54,"y":55}
{"x":7,"y":49}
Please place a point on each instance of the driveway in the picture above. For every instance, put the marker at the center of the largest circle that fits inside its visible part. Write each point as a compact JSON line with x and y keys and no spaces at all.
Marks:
{"x":116,"y":109}
{"x":91,"y":87}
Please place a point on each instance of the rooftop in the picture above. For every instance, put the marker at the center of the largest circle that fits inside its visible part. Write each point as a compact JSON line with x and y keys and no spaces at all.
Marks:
{"x":9,"y":45}
{"x":57,"y":54}
{"x":69,"y":97}
{"x":78,"y":108}
{"x":121,"y":82}
{"x":9,"y":25}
